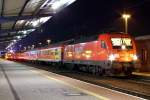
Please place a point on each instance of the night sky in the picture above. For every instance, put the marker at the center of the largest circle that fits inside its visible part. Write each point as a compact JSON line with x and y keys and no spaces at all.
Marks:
{"x":90,"y":17}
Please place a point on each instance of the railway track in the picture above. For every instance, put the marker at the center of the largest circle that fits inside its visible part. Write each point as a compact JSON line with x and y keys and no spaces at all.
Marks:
{"x":128,"y":86}
{"x":138,"y":86}
{"x":139,"y":80}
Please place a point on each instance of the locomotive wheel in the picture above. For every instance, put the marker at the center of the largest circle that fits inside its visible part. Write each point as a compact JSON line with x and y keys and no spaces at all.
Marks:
{"x":128,"y":72}
{"x":100,"y":71}
{"x":76,"y":67}
{"x":109,"y":72}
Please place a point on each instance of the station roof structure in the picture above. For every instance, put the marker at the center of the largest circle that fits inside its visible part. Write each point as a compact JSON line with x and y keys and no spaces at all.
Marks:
{"x":18,"y":18}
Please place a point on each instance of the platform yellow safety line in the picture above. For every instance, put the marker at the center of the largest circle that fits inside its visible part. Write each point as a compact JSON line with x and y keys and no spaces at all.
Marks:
{"x":141,"y":74}
{"x":75,"y":87}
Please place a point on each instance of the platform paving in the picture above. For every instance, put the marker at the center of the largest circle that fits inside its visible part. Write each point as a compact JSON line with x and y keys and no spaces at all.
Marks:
{"x":21,"y":82}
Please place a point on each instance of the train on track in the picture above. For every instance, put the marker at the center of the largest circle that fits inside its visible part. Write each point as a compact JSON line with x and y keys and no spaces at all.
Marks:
{"x":108,"y":53}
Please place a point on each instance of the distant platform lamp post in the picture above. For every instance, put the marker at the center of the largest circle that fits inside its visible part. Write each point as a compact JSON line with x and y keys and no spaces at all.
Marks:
{"x":25,"y":48}
{"x":40,"y":44}
{"x":126,"y":17}
{"x":20,"y":47}
{"x":48,"y":41}
{"x":33,"y":46}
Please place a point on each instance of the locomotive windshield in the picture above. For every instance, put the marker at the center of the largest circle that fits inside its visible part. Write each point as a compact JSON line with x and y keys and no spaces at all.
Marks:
{"x":118,"y":42}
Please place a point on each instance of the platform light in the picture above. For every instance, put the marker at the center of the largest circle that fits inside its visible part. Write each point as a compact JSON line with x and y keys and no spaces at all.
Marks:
{"x":25,"y":48}
{"x":27,"y":23}
{"x":18,"y":37}
{"x":40,"y":44}
{"x":39,"y":21}
{"x":11,"y":51}
{"x":33,"y":46}
{"x":14,"y":40}
{"x":24,"y":32}
{"x":35,"y":23}
{"x":10,"y":45}
{"x":21,"y":21}
{"x":31,"y":30}
{"x":48,"y":41}
{"x":126,"y":17}
{"x":44,"y":19}
{"x":57,"y":4}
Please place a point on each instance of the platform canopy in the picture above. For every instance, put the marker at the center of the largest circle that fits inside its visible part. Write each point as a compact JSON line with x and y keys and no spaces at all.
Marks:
{"x":18,"y":18}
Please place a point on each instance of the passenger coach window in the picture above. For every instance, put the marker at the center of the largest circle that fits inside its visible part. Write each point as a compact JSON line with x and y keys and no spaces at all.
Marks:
{"x":103,"y":45}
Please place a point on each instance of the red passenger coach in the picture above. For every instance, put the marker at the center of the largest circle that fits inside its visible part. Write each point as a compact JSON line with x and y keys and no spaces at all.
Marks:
{"x":9,"y":56}
{"x":31,"y":55}
{"x":51,"y":54}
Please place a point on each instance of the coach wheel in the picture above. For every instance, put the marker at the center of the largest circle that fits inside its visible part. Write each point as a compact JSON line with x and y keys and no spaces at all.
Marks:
{"x":93,"y":70}
{"x":76,"y":67}
{"x":128,"y":71}
{"x":71,"y":66}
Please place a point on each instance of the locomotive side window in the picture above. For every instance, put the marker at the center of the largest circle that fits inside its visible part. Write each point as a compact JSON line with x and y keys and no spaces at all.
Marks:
{"x":103,"y":44}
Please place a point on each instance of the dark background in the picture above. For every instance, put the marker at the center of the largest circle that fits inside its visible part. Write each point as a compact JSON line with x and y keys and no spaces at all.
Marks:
{"x":90,"y":17}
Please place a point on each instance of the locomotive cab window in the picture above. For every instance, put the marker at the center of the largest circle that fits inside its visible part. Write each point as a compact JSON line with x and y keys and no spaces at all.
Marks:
{"x":103,"y":44}
{"x":118,"y":42}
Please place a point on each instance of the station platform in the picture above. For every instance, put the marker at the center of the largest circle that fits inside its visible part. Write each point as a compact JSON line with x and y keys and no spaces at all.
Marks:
{"x":22,"y":82}
{"x":144,"y":74}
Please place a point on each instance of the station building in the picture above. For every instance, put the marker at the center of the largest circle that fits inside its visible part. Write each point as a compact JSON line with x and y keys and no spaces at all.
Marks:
{"x":143,"y":49}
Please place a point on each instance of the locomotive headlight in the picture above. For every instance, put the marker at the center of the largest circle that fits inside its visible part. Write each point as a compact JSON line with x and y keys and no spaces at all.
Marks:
{"x":135,"y":57}
{"x":123,"y":47}
{"x":111,"y":57}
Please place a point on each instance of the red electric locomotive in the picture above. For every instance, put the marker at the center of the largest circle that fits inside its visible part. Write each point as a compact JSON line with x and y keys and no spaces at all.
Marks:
{"x":108,"y":53}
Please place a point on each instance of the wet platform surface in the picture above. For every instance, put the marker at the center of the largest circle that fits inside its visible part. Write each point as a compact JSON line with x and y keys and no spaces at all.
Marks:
{"x":21,"y":82}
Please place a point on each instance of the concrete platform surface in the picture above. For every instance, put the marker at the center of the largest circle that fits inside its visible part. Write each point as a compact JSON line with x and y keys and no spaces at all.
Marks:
{"x":22,"y":82}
